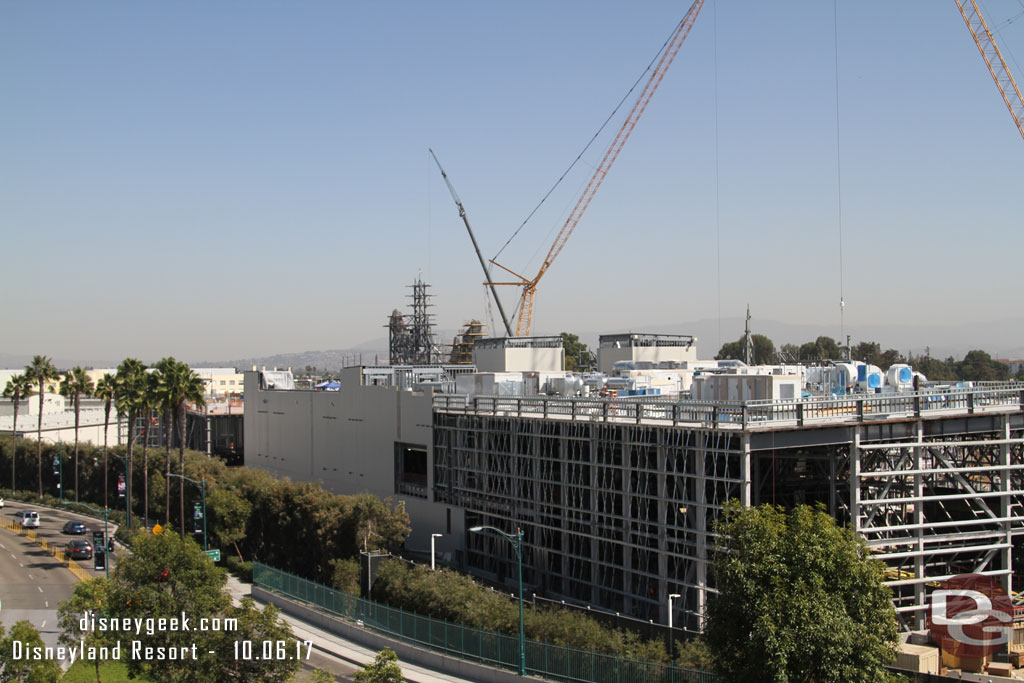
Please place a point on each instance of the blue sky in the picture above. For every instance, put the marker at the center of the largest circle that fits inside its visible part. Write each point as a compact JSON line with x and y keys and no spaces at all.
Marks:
{"x":219,"y":180}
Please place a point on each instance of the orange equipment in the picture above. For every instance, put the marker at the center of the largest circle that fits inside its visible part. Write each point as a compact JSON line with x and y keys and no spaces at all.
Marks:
{"x":994,"y":60}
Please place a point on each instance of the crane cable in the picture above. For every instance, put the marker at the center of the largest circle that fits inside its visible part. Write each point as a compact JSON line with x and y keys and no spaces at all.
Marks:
{"x":579,"y":156}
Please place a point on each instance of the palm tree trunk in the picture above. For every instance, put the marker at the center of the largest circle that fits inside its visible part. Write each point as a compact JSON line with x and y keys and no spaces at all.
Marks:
{"x":14,"y":444}
{"x":168,"y":428}
{"x":181,"y":465}
{"x":145,"y":473}
{"x":77,"y":406}
{"x":106,"y":471}
{"x":128,"y":464}
{"x":39,"y":438}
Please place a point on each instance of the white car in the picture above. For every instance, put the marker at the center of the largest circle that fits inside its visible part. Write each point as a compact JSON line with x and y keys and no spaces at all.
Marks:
{"x":1,"y":502}
{"x":29,"y":518}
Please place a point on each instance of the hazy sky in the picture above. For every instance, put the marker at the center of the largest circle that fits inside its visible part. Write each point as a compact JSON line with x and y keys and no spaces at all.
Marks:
{"x":219,"y":180}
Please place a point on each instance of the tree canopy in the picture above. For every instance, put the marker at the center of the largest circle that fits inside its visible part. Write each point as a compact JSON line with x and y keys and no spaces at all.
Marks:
{"x":762,"y":353}
{"x":383,"y":669}
{"x":800,"y":600}
{"x":577,"y":355}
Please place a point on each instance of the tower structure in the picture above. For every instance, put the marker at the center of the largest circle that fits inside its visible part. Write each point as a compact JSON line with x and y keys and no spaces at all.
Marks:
{"x":410,"y":341}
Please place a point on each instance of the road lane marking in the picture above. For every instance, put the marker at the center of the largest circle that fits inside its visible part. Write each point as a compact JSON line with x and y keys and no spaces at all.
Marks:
{"x":43,"y":625}
{"x":46,"y":602}
{"x":31,"y":577}
{"x":40,"y":588}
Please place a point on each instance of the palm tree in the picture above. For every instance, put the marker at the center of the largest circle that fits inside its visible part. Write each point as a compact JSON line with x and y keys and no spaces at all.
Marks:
{"x":105,"y":390}
{"x":18,"y":387}
{"x":165,"y":382}
{"x":129,"y":391}
{"x":185,"y":387}
{"x":76,"y":384}
{"x":40,"y":371}
{"x":150,"y":400}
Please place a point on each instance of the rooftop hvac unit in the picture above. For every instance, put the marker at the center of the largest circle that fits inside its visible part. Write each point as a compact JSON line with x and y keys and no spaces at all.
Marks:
{"x":899,"y":375}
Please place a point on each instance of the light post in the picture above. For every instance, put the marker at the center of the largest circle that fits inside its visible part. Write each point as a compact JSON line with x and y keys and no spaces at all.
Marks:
{"x":671,"y":638}
{"x":517,"y":544}
{"x":58,"y":469}
{"x":106,"y":536}
{"x":202,"y":486}
{"x":432,"y":537}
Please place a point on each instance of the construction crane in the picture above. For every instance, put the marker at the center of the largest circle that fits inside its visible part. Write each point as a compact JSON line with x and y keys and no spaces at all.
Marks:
{"x":525,"y":318}
{"x":465,"y":219}
{"x":994,"y":60}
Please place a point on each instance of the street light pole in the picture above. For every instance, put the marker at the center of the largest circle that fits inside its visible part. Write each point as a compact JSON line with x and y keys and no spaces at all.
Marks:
{"x":202,"y":486}
{"x":432,"y":537}
{"x":671,"y":638}
{"x":517,"y":543}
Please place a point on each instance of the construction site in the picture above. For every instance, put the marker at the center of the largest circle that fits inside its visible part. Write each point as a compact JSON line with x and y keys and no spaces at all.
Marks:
{"x":616,"y":477}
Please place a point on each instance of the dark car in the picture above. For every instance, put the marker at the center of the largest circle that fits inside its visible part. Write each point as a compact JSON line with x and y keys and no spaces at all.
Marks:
{"x":75,"y":527}
{"x":79,"y":549}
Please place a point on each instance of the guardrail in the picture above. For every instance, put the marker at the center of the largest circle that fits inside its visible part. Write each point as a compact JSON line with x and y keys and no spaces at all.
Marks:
{"x":57,"y":553}
{"x":816,"y":410}
{"x":554,"y":662}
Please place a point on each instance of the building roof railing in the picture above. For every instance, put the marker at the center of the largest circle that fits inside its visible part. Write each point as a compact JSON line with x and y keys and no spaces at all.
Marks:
{"x":752,"y":415}
{"x":638,"y":339}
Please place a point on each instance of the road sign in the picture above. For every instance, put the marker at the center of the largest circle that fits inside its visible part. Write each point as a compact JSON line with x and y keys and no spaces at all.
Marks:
{"x":157,"y":529}
{"x":214,"y":554}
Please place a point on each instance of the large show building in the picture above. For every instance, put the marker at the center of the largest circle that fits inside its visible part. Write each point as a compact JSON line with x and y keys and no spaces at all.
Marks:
{"x":617,"y":494}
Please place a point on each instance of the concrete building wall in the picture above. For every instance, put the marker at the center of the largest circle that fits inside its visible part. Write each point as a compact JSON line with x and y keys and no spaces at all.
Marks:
{"x":544,"y":359}
{"x":346,"y":440}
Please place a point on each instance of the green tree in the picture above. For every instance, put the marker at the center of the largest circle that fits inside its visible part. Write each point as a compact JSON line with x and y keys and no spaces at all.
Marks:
{"x":255,"y":626}
{"x":18,"y":387}
{"x":978,"y":366}
{"x":24,"y":670}
{"x":577,"y":355}
{"x":93,"y":597}
{"x":800,"y":600}
{"x":383,"y":669}
{"x":321,"y":676}
{"x":105,"y":391}
{"x":40,"y":371}
{"x":76,"y":384}
{"x":165,"y":577}
{"x":762,"y":353}
{"x":129,"y":394}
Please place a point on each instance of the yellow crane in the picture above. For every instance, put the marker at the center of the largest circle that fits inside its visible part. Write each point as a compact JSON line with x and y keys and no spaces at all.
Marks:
{"x":525,"y":319}
{"x":994,"y":60}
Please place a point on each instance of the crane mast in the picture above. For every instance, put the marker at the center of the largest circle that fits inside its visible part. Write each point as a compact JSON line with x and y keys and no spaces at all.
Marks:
{"x":525,"y":318}
{"x":994,"y":60}
{"x":465,"y":220}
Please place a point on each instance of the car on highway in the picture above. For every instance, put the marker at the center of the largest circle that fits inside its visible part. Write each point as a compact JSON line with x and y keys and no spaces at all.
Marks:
{"x":1,"y":502}
{"x":79,"y":549}
{"x":74,"y":527}
{"x":28,"y":518}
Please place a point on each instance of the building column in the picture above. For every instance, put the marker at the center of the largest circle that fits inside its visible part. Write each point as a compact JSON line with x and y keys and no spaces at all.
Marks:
{"x":918,"y":521}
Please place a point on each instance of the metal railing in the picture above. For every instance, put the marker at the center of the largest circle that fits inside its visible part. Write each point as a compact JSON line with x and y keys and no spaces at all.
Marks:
{"x":544,"y":660}
{"x":748,"y":414}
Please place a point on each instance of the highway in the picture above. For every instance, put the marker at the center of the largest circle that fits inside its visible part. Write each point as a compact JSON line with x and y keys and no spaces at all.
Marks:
{"x":33,"y":582}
